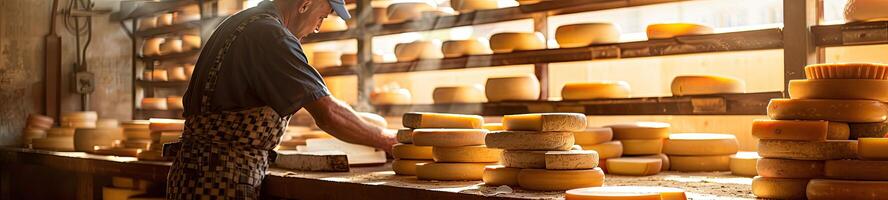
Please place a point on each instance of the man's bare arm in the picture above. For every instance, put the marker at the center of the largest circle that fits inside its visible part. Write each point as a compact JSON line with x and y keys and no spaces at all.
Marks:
{"x":338,"y":119}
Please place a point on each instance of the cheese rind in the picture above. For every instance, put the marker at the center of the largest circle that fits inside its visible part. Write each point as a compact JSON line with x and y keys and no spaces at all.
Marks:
{"x":779,"y":188}
{"x":441,"y":120}
{"x":595,"y":90}
{"x":459,"y":94}
{"x":545,"y":122}
{"x":451,"y":171}
{"x":700,"y":144}
{"x":808,"y":150}
{"x":593,"y":136}
{"x":867,"y":170}
{"x":465,"y":6}
{"x":786,"y":168}
{"x":551,"y":180}
{"x":700,"y":85}
{"x":839,"y":89}
{"x":612,"y":149}
{"x":448,"y":137}
{"x":700,"y":163}
{"x":399,"y":96}
{"x":868,"y":130}
{"x":499,"y":175}
{"x":518,"y":88}
{"x":626,"y":193}
{"x":407,"y":167}
{"x":873,"y":71}
{"x":470,"y":154}
{"x":640,"y":131}
{"x":411,"y":152}
{"x":524,"y":159}
{"x":634,"y":166}
{"x":405,"y":136}
{"x":585,"y":34}
{"x":872,"y":148}
{"x":642,"y":147}
{"x":494,"y":126}
{"x":800,"y":130}
{"x":852,"y":111}
{"x":663,"y":31}
{"x":516,"y":41}
{"x":530,"y":140}
{"x":574,"y":159}
{"x":459,"y":48}
{"x":744,"y":164}
{"x":841,"y":189}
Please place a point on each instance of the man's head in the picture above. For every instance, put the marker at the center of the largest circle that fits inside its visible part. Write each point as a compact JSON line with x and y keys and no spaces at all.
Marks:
{"x":304,"y":17}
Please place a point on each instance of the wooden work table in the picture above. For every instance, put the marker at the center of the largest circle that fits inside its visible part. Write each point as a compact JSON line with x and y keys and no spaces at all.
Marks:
{"x":90,"y":172}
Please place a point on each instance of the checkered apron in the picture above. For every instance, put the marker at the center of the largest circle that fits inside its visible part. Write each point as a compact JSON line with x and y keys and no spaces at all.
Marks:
{"x":224,"y":155}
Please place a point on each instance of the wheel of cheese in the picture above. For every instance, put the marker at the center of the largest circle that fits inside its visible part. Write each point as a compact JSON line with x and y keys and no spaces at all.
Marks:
{"x":873,"y":71}
{"x":700,"y":144}
{"x":448,"y":137}
{"x":530,"y":140}
{"x":494,"y":126}
{"x":700,"y":163}
{"x":394,"y":97}
{"x":107,"y":123}
{"x":110,"y":193}
{"x":165,"y":19}
{"x":552,"y":180}
{"x":596,"y":90}
{"x":642,"y":147}
{"x":593,"y":136}
{"x":640,"y":131}
{"x":779,"y":188}
{"x":136,"y":133}
{"x":612,"y":149}
{"x":175,"y":103}
{"x":867,"y":170}
{"x":407,"y":167}
{"x":626,"y":193}
{"x":497,"y":175}
{"x":808,"y":150}
{"x":151,"y":46}
{"x":61,"y":143}
{"x":467,"y":154}
{"x":333,"y":23}
{"x":402,"y":12}
{"x":852,"y":111}
{"x":516,"y":41}
{"x":786,"y":168}
{"x":460,"y":48}
{"x":744,"y":164}
{"x":524,"y":159}
{"x":165,"y":137}
{"x":86,"y":139}
{"x":39,"y":121}
{"x":29,"y":134}
{"x":190,"y":42}
{"x":865,"y":10}
{"x":80,"y":116}
{"x":811,"y":130}
{"x":137,"y":144}
{"x":147,"y":75}
{"x":581,"y":35}
{"x":322,"y":59}
{"x":634,"y":166}
{"x":146,"y":23}
{"x":352,"y":59}
{"x":872,"y":148}
{"x":159,"y":124}
{"x":700,"y":85}
{"x":154,"y":104}
{"x":466,"y":6}
{"x":663,"y":31}
{"x":570,"y":160}
{"x":545,"y":122}
{"x":528,"y":2}
{"x":665,"y":161}
{"x":189,"y":70}
{"x":441,"y":120}
{"x":171,"y":46}
{"x":187,"y":14}
{"x":868,"y":130}
{"x":458,"y":94}
{"x":405,"y":135}
{"x":518,"y":88}
{"x":159,"y":75}
{"x":60,"y":132}
{"x":411,"y":152}
{"x":418,"y":50}
{"x":839,"y":89}
{"x":451,"y":171}
{"x":846,"y":189}
{"x":176,"y":74}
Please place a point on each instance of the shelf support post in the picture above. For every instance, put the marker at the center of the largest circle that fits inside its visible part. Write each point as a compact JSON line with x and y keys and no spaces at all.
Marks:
{"x":798,"y":41}
{"x":541,"y":70}
{"x":365,"y":68}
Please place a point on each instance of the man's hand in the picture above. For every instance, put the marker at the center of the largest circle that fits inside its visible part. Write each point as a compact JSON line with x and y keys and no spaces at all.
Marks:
{"x":338,"y":119}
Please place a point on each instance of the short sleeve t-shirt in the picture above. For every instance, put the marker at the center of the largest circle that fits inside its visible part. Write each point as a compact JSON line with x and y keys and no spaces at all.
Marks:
{"x":264,"y":66}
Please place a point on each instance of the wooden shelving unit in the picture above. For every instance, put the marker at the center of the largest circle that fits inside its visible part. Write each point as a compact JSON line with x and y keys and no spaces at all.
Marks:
{"x":866,"y":33}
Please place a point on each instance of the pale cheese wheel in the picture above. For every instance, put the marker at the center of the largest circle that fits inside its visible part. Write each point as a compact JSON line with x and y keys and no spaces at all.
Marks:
{"x":497,"y":175}
{"x":60,"y":132}
{"x":516,"y":41}
{"x":593,"y":136}
{"x":865,"y":10}
{"x":159,"y":75}
{"x":458,"y":94}
{"x":626,"y":193}
{"x":787,"y":168}
{"x":87,"y":139}
{"x":744,"y":164}
{"x":441,"y":120}
{"x":39,"y":121}
{"x":467,"y":154}
{"x":700,"y":163}
{"x":352,"y":59}
{"x":800,"y":130}
{"x":663,"y":31}
{"x":411,"y":152}
{"x":571,"y":160}
{"x":107,"y":123}
{"x":841,"y":189}
{"x":394,"y":97}
{"x":402,"y":12}
{"x":701,"y":144}
{"x":190,"y":42}
{"x":595,"y":90}
{"x":61,"y":143}
{"x":868,"y":130}
{"x":808,"y":150}
{"x":187,"y":14}
{"x":530,"y":140}
{"x":135,"y":124}
{"x":494,"y":126}
{"x":612,"y":149}
{"x":171,"y":46}
{"x":418,"y":50}
{"x":545,"y":122}
{"x":642,"y":147}
{"x":581,"y":35}
{"x":665,"y":160}
{"x":779,"y":188}
{"x":448,"y":137}
{"x":867,"y":170}
{"x":405,"y":135}
{"x":518,"y":88}
{"x":146,"y":23}
{"x":154,"y":104}
{"x":332,"y":24}
{"x":839,"y":89}
{"x":552,"y":180}
{"x":465,"y":6}
{"x":176,"y":74}
{"x":701,"y":85}
{"x":175,"y":103}
{"x":634,"y":166}
{"x":160,"y":124}
{"x":852,"y":111}
{"x":460,"y":48}
{"x":151,"y":46}
{"x":322,"y":59}
{"x":451,"y":171}
{"x":524,"y":159}
{"x":640,"y":131}
{"x":165,"y":19}
{"x":872,"y":148}
{"x":407,"y":167}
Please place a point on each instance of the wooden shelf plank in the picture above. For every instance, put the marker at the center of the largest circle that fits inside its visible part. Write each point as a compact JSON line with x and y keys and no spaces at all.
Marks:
{"x":146,"y":114}
{"x":163,"y":84}
{"x":149,"y":8}
{"x":178,"y":28}
{"x":852,"y":34}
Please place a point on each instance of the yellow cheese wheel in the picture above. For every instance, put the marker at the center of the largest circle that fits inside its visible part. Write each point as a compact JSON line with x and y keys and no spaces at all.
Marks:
{"x":165,"y":19}
{"x":574,"y":159}
{"x":852,"y":111}
{"x":744,"y":163}
{"x":418,"y":50}
{"x":460,"y":48}
{"x":160,"y":75}
{"x":154,"y":104}
{"x":411,"y":152}
{"x":626,"y":193}
{"x":868,"y":130}
{"x":109,"y":193}
{"x":800,"y":130}
{"x":663,"y":31}
{"x":61,"y":143}
{"x":190,"y":42}
{"x":458,"y":94}
{"x":352,"y":59}
{"x":545,"y":122}
{"x":160,"y":124}
{"x":146,"y":23}
{"x":868,"y":170}
{"x":175,"y":103}
{"x":448,"y":137}
{"x":528,"y":2}
{"x":188,"y":13}
{"x":494,"y":126}
{"x":39,"y":121}
{"x":872,"y":148}
{"x":322,"y":59}
{"x":393,"y":97}
{"x":29,"y":134}
{"x":333,"y":23}
{"x":786,"y":168}
{"x":551,"y":180}
{"x":467,"y":154}
{"x":524,"y":159}
{"x":518,"y":88}
{"x":405,"y":135}
{"x":700,"y":163}
{"x":516,"y":41}
{"x":451,"y":171}
{"x":700,"y":144}
{"x":865,"y":10}
{"x":665,"y":160}
{"x":839,"y":89}
{"x":581,"y":35}
{"x":176,"y":73}
{"x":151,"y":46}
{"x":171,"y":46}
{"x":808,"y":150}
{"x":402,"y":12}
{"x":593,"y":136}
{"x":497,"y":175}
{"x":845,"y":189}
{"x":80,"y":116}
{"x":873,"y":71}
{"x":612,"y":149}
{"x":136,"y":134}
{"x":779,"y":188}
{"x":634,"y":166}
{"x":407,"y":167}
{"x":87,"y":139}
{"x":640,"y":131}
{"x":700,"y":85}
{"x":530,"y":140}
{"x":441,"y":120}
{"x":465,"y":6}
{"x":642,"y":147}
{"x":595,"y":90}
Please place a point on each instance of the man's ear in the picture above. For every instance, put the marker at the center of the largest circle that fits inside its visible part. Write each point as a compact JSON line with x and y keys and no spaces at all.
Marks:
{"x":305,"y":5}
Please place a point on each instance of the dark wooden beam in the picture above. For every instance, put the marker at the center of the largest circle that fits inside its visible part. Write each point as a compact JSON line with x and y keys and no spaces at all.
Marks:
{"x":798,"y":42}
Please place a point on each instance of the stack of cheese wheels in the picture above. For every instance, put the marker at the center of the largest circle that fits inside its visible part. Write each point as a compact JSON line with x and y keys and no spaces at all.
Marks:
{"x":810,"y":137}
{"x":402,"y":12}
{"x":539,"y":153}
{"x":171,"y":45}
{"x":700,"y":152}
{"x":600,"y":140}
{"x":29,"y":134}
{"x":664,"y":31}
{"x":465,"y":6}
{"x":468,"y":47}
{"x":322,"y":59}
{"x":333,"y":23}
{"x":866,"y":10}
{"x":581,"y":35}
{"x":136,"y":134}
{"x":625,"y":193}
{"x":154,"y":104}
{"x":176,"y":73}
{"x":57,"y":139}
{"x":706,"y":84}
{"x":190,"y":42}
{"x":394,"y":96}
{"x":162,"y":131}
{"x":87,"y":139}
{"x":458,"y":94}
{"x":175,"y":103}
{"x":35,"y":128}
{"x":515,"y":88}
{"x":151,"y":46}
{"x":640,"y":149}
{"x":744,"y":163}
{"x":146,"y":23}
{"x":418,"y":50}
{"x":516,"y":41}
{"x":595,"y":90}
{"x":352,"y":59}
{"x":455,"y":143}
{"x":86,"y":119}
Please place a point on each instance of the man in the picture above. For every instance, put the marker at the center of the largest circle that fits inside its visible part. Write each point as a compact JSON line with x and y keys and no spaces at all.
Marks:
{"x":250,"y":78}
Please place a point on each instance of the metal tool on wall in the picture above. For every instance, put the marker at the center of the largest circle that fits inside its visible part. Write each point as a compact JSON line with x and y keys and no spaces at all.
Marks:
{"x":53,"y":68}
